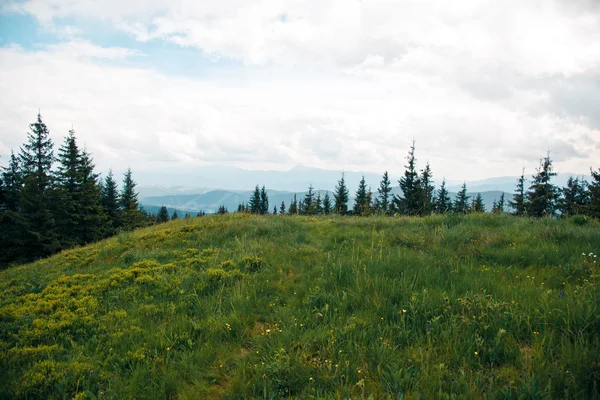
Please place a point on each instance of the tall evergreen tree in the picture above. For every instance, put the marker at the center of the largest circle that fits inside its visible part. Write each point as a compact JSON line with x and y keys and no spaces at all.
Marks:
{"x":274,"y":210}
{"x":264,"y":201}
{"x":174,"y":216}
{"x":163,"y":215}
{"x":11,"y":184}
{"x":593,"y":207}
{"x":341,"y":197}
{"x":293,"y":206}
{"x":461,"y":202}
{"x":574,"y":197}
{"x":38,"y":233}
{"x":443,"y":202}
{"x":498,"y":207}
{"x":254,"y":202}
{"x":109,"y":199}
{"x":308,"y":205}
{"x":327,"y":204}
{"x":94,"y":218}
{"x":478,"y":206}
{"x":11,"y":219}
{"x":361,"y":204}
{"x":282,"y":208}
{"x":427,"y":189}
{"x":131,"y":216}
{"x":542,"y":194}
{"x":518,"y":202}
{"x":69,"y":181}
{"x":384,"y":191}
{"x":318,"y":204}
{"x":411,"y":202}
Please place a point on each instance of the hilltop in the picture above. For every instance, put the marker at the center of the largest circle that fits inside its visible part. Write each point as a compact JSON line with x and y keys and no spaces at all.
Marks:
{"x":245,"y":306}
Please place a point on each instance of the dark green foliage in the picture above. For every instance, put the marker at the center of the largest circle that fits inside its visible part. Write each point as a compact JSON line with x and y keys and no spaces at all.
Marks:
{"x":308,"y":206}
{"x":362,"y":202}
{"x":542,"y":194}
{"x":327,"y":204}
{"x":11,"y":219}
{"x":282,"y":208}
{"x":498,"y":207}
{"x":38,"y":230}
{"x":254,"y":203}
{"x":293,"y":206}
{"x":162,"y":216}
{"x":274,"y":210}
{"x":174,"y":216}
{"x":11,"y":184}
{"x":574,"y":197}
{"x":428,"y":190}
{"x":318,"y":204}
{"x":593,"y":207}
{"x":131,"y":216}
{"x":518,"y":202}
{"x":443,"y":203}
{"x":411,"y":202}
{"x":109,"y":199}
{"x":94,"y":218}
{"x":341,"y":197}
{"x":383,"y":198}
{"x":461,"y":202}
{"x":478,"y":206}
{"x":222,"y":210}
{"x":264,"y":201}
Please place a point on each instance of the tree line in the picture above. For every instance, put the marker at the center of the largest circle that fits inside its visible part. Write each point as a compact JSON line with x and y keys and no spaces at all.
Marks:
{"x":420,"y":197}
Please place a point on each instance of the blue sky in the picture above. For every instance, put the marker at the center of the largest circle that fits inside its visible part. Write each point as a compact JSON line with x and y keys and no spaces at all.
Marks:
{"x":484,"y":88}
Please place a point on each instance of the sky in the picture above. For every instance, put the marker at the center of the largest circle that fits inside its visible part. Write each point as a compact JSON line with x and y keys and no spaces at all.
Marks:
{"x":484,"y":87}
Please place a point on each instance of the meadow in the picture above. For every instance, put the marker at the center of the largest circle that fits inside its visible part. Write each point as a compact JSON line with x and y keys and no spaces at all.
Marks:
{"x":242,"y":306}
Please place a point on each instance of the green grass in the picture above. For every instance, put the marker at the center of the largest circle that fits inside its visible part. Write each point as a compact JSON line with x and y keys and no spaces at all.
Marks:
{"x":238,"y":306}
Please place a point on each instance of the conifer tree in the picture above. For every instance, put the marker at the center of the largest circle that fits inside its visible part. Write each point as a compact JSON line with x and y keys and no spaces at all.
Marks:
{"x":411,"y":203}
{"x":38,"y":232}
{"x":174,"y":216}
{"x":341,"y":197}
{"x":574,"y":197}
{"x":69,"y":181}
{"x":361,"y":204}
{"x":131,"y":216}
{"x":282,"y":208}
{"x":498,"y":206}
{"x":478,"y":206}
{"x":541,"y":196}
{"x":327,"y":204}
{"x":11,"y":219}
{"x":293,"y":206}
{"x":461,"y":202}
{"x":593,"y":206}
{"x":94,"y":218}
{"x":163,"y":215}
{"x":254,"y":202}
{"x":518,"y":201}
{"x":11,"y":184}
{"x":443,"y":203}
{"x":308,"y":205}
{"x":384,"y":191}
{"x":109,"y":199}
{"x":274,"y":210}
{"x":318,"y":204}
{"x":264,"y":201}
{"x":222,"y":210}
{"x":427,"y":189}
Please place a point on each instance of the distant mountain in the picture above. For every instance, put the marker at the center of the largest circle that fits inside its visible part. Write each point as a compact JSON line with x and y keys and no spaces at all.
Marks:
{"x":507,"y":183}
{"x":154,"y":210}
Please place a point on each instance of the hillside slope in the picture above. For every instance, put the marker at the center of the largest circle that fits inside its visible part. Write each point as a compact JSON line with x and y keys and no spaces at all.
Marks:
{"x":238,"y":306}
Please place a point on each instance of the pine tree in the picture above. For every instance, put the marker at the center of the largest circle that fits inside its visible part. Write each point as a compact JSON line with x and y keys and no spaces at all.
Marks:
{"x":461,"y":202}
{"x":443,"y":203}
{"x":11,"y":219}
{"x":293,"y":206}
{"x":478,"y":206}
{"x":38,"y":232}
{"x":574,"y":197}
{"x":361,"y":205}
{"x":131,"y":216}
{"x":163,"y":215}
{"x":109,"y":199}
{"x":282,"y":208}
{"x":341,"y":197}
{"x":264,"y":201}
{"x":308,"y":205}
{"x":222,"y":210}
{"x":318,"y":204}
{"x":541,"y":196}
{"x":69,"y":181}
{"x":427,"y":190}
{"x":412,"y":201}
{"x":11,"y":184}
{"x":518,"y":201}
{"x":498,"y":206}
{"x":254,"y":202}
{"x":174,"y":216}
{"x":384,"y":190}
{"x":327,"y":204}
{"x":593,"y":207}
{"x":274,"y":210}
{"x":94,"y":218}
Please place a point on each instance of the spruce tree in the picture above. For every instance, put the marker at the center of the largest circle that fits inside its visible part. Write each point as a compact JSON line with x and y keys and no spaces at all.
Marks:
{"x":282,"y":208}
{"x":318,"y":204}
{"x":131,"y":216}
{"x":274,"y":210}
{"x":264,"y":201}
{"x":293,"y":206}
{"x":341,"y":197}
{"x":163,"y":215}
{"x":254,"y":202}
{"x":518,"y":201}
{"x":461,"y":202}
{"x":443,"y":202}
{"x":574,"y":197}
{"x":109,"y":199}
{"x":361,"y":205}
{"x":94,"y":218}
{"x":541,"y":196}
{"x":384,"y":191}
{"x":498,"y":206}
{"x":308,"y":205}
{"x":11,"y":219}
{"x":11,"y":184}
{"x":427,"y":190}
{"x":38,"y":232}
{"x":411,"y":202}
{"x":327,"y":204}
{"x":478,"y":206}
{"x":593,"y":206}
{"x":174,"y":216}
{"x":69,"y":182}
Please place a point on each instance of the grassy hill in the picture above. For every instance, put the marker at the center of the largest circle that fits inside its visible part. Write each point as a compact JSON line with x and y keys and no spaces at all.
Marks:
{"x":238,"y":306}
